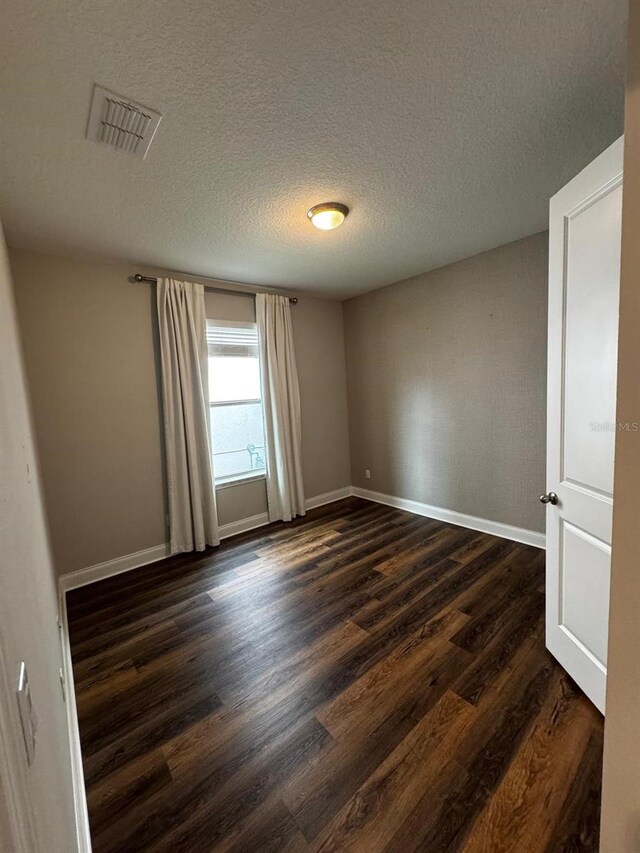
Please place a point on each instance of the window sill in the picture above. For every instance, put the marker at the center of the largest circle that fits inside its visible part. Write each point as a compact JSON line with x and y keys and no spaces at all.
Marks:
{"x":238,"y":479}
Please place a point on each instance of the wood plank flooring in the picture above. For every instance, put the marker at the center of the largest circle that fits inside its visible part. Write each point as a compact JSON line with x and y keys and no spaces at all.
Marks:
{"x":362,"y":679}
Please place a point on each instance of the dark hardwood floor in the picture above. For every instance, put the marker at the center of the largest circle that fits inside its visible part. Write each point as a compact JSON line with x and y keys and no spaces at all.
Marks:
{"x":361,"y":679}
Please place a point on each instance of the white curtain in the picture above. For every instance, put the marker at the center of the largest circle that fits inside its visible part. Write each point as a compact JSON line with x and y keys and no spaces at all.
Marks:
{"x":185,"y":397}
{"x":281,"y":401}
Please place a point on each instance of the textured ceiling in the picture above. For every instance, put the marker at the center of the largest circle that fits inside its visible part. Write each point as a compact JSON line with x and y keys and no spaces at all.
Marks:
{"x":445,"y":126}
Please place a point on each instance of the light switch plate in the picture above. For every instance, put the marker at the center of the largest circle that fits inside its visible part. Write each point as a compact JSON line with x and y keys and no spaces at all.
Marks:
{"x":26,"y":712}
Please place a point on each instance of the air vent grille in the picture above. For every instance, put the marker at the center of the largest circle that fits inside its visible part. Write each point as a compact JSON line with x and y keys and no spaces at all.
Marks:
{"x":121,"y":122}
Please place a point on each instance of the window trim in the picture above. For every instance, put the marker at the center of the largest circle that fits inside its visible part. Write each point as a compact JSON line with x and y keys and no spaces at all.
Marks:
{"x":246,"y":402}
{"x":239,"y":479}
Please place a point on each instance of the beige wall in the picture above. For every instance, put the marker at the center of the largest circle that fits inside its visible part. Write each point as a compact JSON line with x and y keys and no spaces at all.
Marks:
{"x":40,"y":796}
{"x":447,"y":382}
{"x":621,"y":782}
{"x":89,"y":342}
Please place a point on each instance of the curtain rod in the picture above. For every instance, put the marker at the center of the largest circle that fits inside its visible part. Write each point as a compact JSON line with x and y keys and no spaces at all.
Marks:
{"x":221,"y":287}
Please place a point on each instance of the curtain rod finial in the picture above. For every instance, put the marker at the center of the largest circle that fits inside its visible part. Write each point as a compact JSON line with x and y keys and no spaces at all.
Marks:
{"x":293,"y":300}
{"x":137,"y":277}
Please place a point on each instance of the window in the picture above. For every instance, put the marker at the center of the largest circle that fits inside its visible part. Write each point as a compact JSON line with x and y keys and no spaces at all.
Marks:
{"x":235,"y":397}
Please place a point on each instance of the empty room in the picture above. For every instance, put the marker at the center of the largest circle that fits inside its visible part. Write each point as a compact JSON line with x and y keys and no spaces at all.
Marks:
{"x":319,"y":360}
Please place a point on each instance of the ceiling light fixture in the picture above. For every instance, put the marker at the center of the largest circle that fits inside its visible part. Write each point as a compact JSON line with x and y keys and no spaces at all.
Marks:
{"x":328,"y":215}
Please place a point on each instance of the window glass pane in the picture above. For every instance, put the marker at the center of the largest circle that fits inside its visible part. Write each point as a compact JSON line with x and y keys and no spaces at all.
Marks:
{"x":237,"y":435}
{"x":233,"y":378}
{"x":237,"y":432}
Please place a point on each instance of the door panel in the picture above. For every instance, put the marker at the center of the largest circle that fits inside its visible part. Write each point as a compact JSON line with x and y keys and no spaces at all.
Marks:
{"x":584,"y":589}
{"x":584,"y":279}
{"x":591,"y":333}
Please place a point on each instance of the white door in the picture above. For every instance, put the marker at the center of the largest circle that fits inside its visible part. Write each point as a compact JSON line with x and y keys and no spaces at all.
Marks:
{"x":584,"y":282}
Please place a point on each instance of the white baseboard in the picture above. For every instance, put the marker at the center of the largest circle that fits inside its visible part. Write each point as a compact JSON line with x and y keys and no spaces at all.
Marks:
{"x":328,"y":497}
{"x":495,"y":528}
{"x":91,"y":574}
{"x":243,"y":525}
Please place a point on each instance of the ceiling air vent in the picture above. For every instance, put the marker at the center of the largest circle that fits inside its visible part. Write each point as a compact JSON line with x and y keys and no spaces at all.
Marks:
{"x":121,"y":122}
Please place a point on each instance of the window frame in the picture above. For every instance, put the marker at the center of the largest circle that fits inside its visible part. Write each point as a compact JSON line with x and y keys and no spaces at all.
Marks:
{"x":251,"y":475}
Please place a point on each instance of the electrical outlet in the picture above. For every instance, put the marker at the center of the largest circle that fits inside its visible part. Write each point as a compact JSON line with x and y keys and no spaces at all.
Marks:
{"x":367,"y":473}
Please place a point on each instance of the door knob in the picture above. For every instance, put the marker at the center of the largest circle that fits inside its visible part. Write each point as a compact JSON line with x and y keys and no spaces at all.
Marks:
{"x":549,"y":498}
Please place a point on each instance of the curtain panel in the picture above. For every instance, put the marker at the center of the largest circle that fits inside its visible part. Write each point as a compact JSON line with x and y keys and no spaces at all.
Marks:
{"x":185,"y":401}
{"x":281,"y":402}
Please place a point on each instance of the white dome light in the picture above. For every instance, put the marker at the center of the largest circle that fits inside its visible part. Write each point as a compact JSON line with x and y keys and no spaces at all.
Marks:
{"x":328,"y":215}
